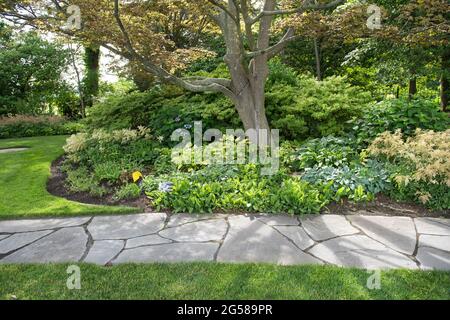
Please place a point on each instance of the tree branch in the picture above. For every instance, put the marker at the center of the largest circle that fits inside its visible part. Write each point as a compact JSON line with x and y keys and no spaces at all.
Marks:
{"x":300,"y":9}
{"x":206,"y":84}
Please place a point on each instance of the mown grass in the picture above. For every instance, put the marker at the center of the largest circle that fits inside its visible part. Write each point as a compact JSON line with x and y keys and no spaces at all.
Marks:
{"x":218,"y":281}
{"x":23,"y":179}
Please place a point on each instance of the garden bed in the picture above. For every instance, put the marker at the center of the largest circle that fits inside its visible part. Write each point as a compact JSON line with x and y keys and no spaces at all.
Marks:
{"x":381,"y":205}
{"x":56,"y":185}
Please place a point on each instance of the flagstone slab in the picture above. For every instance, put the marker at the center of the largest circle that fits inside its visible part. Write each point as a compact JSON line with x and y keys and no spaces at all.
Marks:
{"x":201,"y":231}
{"x":180,"y":219}
{"x":281,"y":220}
{"x":65,"y":245}
{"x":323,"y":227}
{"x":124,"y":227}
{"x":438,"y":242}
{"x":103,"y":251}
{"x":297,"y":235}
{"x":175,"y":252}
{"x":398,"y":233}
{"x":3,"y":236}
{"x":433,"y":226}
{"x":362,"y":252}
{"x":30,"y":225}
{"x":431,"y":258}
{"x":150,"y":240}
{"x":250,"y":240}
{"x":19,"y":240}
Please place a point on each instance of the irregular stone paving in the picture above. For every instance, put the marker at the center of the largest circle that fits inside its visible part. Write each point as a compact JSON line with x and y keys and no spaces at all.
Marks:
{"x":369,"y":242}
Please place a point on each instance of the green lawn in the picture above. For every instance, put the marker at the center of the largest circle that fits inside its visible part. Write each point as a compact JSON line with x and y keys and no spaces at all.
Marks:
{"x":23,"y":178}
{"x":218,"y":281}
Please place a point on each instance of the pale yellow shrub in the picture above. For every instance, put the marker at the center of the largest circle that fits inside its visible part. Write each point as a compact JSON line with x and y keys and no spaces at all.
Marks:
{"x":101,"y":137}
{"x":427,"y":153}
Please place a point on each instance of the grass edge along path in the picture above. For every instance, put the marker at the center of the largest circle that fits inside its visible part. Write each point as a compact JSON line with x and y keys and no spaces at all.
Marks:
{"x":218,"y":281}
{"x":23,"y":180}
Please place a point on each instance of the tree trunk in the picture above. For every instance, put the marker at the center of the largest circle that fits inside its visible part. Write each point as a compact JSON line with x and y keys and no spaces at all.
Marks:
{"x":92,"y":75}
{"x":412,"y":87}
{"x":248,"y":79}
{"x":445,"y":85}
{"x":318,"y":62}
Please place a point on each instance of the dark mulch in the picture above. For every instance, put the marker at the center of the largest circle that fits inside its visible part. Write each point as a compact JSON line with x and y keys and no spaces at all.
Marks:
{"x":382,"y":205}
{"x":57,"y":187}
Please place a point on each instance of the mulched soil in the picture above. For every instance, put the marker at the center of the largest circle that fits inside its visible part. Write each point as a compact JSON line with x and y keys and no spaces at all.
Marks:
{"x":56,"y":186}
{"x":385,"y":206}
{"x":381,"y":206}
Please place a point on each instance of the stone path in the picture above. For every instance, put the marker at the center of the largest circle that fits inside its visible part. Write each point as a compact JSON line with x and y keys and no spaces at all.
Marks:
{"x":369,"y":242}
{"x":11,"y":150}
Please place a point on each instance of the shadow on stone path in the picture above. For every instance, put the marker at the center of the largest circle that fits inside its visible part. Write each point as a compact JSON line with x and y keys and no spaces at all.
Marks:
{"x":368,"y":242}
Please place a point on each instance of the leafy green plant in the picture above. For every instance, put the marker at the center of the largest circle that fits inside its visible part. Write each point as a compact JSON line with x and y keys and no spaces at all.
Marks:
{"x":399,"y":114}
{"x":372,"y":176}
{"x":314,"y":109}
{"x":328,"y":151}
{"x":233,"y":188}
{"x":80,"y":180}
{"x":107,"y":159}
{"x":128,"y":191}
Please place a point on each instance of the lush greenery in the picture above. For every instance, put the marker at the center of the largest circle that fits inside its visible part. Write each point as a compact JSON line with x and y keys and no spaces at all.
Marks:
{"x":404,"y":114}
{"x":219,"y":281}
{"x":101,"y":160}
{"x":312,"y":173}
{"x":30,"y":70}
{"x":23,"y":180}
{"x":20,"y":126}
{"x":299,"y":106}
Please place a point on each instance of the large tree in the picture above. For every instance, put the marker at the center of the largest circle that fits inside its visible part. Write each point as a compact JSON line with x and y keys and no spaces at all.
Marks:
{"x":132,"y":29}
{"x":30,"y":73}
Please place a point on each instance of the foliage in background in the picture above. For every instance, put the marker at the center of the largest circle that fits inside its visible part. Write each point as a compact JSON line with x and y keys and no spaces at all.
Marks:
{"x":299,"y":106}
{"x":32,"y":126}
{"x":403,"y":114}
{"x":30,"y":69}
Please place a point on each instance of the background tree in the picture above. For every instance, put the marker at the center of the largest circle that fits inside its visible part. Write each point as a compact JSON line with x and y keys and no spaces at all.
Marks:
{"x":132,"y":30}
{"x":30,"y":74}
{"x":91,"y":74}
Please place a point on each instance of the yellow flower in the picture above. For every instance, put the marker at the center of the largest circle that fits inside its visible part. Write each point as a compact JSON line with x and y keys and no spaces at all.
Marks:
{"x":136,"y":176}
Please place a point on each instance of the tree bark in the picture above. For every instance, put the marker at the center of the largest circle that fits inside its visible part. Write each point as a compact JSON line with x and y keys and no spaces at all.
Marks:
{"x":445,"y":82}
{"x":92,"y":73}
{"x":318,"y":61}
{"x":412,"y":87}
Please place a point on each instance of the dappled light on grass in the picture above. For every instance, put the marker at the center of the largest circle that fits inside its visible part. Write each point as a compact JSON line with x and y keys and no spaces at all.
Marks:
{"x":23,"y":178}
